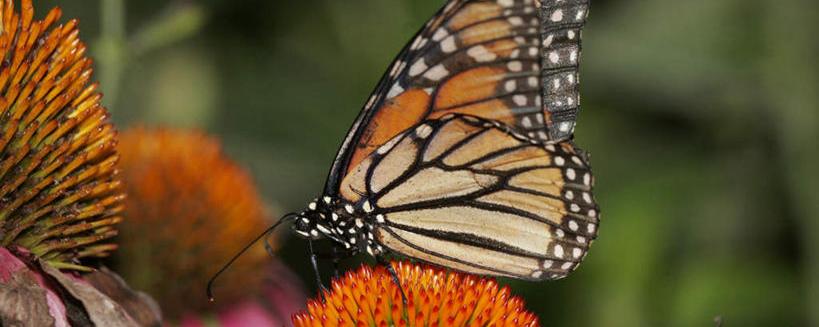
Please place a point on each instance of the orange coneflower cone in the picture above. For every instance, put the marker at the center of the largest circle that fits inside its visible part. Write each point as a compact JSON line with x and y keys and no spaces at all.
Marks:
{"x":435,"y":297}
{"x":60,"y":197}
{"x":189,"y":209}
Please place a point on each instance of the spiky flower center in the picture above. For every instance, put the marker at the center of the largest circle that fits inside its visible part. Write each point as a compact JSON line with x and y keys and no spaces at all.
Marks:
{"x":435,"y":297}
{"x":58,"y":193}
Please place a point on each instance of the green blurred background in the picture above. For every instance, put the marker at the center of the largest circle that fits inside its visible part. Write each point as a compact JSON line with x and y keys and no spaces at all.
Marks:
{"x":701,"y":116}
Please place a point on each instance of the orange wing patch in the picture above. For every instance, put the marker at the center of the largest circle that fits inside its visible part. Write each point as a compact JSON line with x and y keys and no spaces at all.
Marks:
{"x":502,"y":48}
{"x":485,"y":32}
{"x":473,"y":13}
{"x":470,"y":86}
{"x":492,"y":109}
{"x":513,"y":62}
{"x":397,"y":114}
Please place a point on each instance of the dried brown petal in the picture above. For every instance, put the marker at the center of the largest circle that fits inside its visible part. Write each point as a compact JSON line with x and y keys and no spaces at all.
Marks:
{"x":101,"y":309}
{"x":141,"y":307}
{"x":23,"y":301}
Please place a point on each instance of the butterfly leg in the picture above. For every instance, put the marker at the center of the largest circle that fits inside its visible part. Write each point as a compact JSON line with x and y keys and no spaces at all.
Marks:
{"x":267,"y":246}
{"x":395,"y":279}
{"x":337,"y":256}
{"x":314,"y":262}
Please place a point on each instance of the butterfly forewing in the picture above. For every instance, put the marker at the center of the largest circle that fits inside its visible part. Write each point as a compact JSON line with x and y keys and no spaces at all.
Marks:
{"x":509,"y":61}
{"x":470,"y":194}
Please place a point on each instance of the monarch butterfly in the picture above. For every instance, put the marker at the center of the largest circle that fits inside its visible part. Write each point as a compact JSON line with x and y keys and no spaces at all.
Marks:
{"x":462,"y":157}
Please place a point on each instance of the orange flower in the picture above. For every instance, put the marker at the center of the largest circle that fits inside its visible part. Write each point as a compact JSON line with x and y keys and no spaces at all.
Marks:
{"x":435,"y":297}
{"x":59,"y":197}
{"x":189,"y":209}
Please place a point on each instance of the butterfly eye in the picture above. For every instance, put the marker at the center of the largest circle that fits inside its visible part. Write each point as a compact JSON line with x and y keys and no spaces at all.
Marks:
{"x":302,"y":226}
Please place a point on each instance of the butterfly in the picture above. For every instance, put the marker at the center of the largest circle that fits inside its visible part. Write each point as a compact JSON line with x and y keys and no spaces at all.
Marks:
{"x":463,"y":155}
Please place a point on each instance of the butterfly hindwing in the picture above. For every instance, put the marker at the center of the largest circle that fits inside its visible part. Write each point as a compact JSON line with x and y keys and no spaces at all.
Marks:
{"x":470,"y":194}
{"x":510,"y":61}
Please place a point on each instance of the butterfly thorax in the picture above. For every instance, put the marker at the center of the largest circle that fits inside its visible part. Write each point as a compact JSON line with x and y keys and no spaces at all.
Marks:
{"x":345,"y":223}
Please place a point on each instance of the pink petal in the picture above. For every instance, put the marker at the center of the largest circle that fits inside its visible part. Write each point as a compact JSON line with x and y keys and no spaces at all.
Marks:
{"x":248,"y":313}
{"x":10,"y":265}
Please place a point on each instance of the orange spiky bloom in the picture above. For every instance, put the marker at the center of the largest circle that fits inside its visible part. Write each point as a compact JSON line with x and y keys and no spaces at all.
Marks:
{"x":59,"y":195}
{"x":435,"y":297}
{"x":189,"y":209}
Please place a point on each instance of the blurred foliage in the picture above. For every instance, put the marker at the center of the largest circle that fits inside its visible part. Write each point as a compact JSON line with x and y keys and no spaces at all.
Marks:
{"x":701,"y":117}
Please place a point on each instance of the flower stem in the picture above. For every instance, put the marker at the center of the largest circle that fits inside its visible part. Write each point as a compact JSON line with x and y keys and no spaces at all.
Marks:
{"x":111,"y":51}
{"x":789,"y":70}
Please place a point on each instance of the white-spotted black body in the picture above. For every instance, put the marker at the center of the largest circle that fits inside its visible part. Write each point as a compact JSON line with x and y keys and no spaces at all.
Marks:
{"x":349,"y":225}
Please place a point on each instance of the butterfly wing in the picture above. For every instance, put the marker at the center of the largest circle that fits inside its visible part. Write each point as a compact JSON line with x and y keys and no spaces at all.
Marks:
{"x":511,"y":61}
{"x":469,"y":194}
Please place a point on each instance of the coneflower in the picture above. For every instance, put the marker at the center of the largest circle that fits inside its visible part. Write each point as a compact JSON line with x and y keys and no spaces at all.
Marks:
{"x":435,"y":297}
{"x":59,"y":197}
{"x":59,"y":194}
{"x":189,"y":209}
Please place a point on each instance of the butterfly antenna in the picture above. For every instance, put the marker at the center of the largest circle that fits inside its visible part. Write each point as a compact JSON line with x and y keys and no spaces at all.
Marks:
{"x":289,"y":216}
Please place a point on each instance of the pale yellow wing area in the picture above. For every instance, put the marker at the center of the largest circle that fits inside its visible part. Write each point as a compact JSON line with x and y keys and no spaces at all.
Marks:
{"x":468,"y":194}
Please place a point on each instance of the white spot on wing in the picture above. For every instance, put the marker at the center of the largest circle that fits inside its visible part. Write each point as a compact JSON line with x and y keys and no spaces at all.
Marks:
{"x":526,"y":122}
{"x":514,"y":66}
{"x":519,"y":99}
{"x":481,"y":54}
{"x":418,"y":67}
{"x":510,"y":85}
{"x":558,"y":251}
{"x":395,"y":90}
{"x":423,"y":131}
{"x":437,"y":73}
{"x":448,"y":44}
{"x":515,"y":21}
{"x":440,"y":34}
{"x":387,"y":146}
